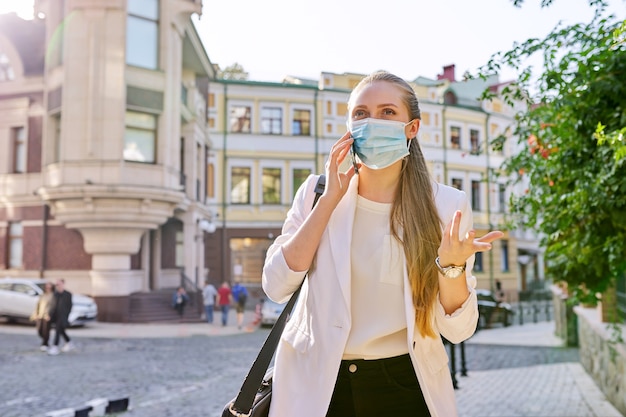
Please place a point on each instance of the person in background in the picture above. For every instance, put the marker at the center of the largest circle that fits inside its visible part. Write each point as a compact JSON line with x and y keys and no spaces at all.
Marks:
{"x":179,"y":301}
{"x":225,"y":299}
{"x":389,"y":255}
{"x":209,"y":293}
{"x":41,"y":315}
{"x":59,"y":313}
{"x":240,"y":295}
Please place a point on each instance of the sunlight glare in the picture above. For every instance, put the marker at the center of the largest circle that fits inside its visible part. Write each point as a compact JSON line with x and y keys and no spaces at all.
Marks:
{"x":23,"y":8}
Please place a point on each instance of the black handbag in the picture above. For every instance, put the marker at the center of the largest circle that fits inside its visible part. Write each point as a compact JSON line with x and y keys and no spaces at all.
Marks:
{"x":255,"y":395}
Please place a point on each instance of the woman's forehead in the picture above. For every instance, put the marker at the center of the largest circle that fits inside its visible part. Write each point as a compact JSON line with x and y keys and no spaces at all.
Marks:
{"x":376,"y":93}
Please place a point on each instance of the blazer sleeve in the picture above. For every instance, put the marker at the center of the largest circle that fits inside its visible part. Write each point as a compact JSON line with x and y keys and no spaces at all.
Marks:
{"x":278,"y":280}
{"x":461,"y":324}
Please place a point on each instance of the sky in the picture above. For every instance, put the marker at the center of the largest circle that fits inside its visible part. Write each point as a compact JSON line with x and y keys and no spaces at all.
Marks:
{"x":303,"y":38}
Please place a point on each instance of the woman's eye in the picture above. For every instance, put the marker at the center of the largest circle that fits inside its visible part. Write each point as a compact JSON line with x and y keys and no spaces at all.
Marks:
{"x":389,"y":112}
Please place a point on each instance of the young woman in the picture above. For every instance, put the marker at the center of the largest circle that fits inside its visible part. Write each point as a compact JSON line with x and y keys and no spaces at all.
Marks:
{"x":389,"y":255}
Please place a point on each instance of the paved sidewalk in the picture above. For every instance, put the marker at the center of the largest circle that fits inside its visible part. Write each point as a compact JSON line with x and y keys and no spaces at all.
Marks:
{"x":550,"y":390}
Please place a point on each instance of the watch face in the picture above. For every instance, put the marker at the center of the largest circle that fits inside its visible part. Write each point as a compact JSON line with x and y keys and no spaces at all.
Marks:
{"x":454,"y":272}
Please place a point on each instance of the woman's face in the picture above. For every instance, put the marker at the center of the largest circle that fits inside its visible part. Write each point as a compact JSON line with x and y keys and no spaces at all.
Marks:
{"x":379,"y":100}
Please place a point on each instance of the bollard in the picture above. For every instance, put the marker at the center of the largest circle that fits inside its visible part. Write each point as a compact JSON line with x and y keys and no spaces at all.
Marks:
{"x":463,"y":367}
{"x":98,"y":406}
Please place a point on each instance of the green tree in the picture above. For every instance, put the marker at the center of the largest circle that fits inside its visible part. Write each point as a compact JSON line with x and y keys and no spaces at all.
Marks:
{"x":233,"y":72}
{"x":572,"y":156}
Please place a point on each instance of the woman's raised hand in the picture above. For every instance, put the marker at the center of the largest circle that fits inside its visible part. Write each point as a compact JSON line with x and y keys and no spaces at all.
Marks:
{"x":336,"y":181}
{"x":455,"y":250}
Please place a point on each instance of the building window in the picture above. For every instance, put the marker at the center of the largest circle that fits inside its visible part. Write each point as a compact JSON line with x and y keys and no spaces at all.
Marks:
{"x":142,"y":33}
{"x":240,"y":119}
{"x":474,"y":142}
{"x":301,"y":125}
{"x":180,"y":249}
{"x":271,"y":185}
{"x":476,"y":195}
{"x":299,"y":176}
{"x":504,"y":257}
{"x":210,"y":180}
{"x":18,"y":136}
{"x":140,"y":137}
{"x":240,"y":185}
{"x":16,"y":245}
{"x":271,"y":121}
{"x":502,"y":197}
{"x":457,"y":183}
{"x":478,"y":262}
{"x":6,"y":69}
{"x":455,"y":137}
{"x":56,"y":120}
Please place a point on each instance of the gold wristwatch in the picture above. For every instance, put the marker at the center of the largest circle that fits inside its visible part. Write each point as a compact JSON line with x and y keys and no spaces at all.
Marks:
{"x":452,"y":271}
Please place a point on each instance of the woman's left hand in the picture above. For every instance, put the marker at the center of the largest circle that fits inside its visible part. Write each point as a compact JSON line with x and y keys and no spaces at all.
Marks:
{"x":455,"y":250}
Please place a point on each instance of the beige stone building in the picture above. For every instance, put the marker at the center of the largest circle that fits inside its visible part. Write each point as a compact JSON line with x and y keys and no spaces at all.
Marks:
{"x":104,"y":141}
{"x":128,"y":168}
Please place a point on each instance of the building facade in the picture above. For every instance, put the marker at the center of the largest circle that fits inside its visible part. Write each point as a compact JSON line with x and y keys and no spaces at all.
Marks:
{"x":104,"y":141}
{"x":268,"y":137}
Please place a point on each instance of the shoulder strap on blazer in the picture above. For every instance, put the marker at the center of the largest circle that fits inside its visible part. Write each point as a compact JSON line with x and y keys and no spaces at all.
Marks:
{"x":243,"y":403}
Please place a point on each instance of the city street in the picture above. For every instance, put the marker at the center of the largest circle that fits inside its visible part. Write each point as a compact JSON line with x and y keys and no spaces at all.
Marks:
{"x":194,"y":374}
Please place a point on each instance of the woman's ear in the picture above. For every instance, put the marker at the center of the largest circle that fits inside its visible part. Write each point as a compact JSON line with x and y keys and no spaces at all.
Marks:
{"x":413,"y":128}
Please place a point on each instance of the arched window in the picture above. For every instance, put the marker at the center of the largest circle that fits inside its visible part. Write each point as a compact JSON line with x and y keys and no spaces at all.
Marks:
{"x":6,"y":69}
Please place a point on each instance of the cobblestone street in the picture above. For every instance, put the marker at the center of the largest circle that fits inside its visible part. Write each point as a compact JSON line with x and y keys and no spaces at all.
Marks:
{"x":179,"y":377}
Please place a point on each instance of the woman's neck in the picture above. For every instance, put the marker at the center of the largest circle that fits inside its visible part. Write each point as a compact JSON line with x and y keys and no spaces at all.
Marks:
{"x":379,"y":185}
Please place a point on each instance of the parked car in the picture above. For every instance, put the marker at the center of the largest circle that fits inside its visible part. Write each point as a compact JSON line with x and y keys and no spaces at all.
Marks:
{"x":19,"y":296}
{"x":270,"y":312}
{"x":493,"y":311}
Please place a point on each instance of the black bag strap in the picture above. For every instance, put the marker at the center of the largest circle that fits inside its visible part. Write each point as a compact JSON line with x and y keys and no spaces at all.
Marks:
{"x":243,"y":403}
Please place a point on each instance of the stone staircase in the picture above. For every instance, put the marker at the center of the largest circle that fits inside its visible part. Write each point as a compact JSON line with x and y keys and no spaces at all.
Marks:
{"x":156,"y":307}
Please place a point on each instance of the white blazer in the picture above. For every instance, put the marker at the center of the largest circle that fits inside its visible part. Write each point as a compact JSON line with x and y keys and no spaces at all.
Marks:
{"x":312,"y":344}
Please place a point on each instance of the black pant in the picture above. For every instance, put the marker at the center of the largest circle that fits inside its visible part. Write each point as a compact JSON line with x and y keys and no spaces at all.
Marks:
{"x":60,"y":326}
{"x":180,"y":307}
{"x":43,"y":329}
{"x":374,"y":388}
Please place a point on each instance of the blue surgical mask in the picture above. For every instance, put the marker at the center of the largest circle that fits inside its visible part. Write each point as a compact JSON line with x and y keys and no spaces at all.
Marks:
{"x":379,"y":143}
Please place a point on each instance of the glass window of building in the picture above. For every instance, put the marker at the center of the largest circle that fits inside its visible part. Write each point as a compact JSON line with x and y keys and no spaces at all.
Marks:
{"x":502,"y":197}
{"x":474,"y":141}
{"x":301,"y":125}
{"x":271,"y":121}
{"x":6,"y":69}
{"x":180,"y":249}
{"x":457,"y":183}
{"x":298,"y":178}
{"x":455,"y":137}
{"x":240,"y":119}
{"x":18,"y":135}
{"x":142,"y":33}
{"x":504,"y":256}
{"x":476,"y":195}
{"x":271,"y":185}
{"x":16,"y":245}
{"x":478,"y":262}
{"x":240,"y":185}
{"x":140,"y":137}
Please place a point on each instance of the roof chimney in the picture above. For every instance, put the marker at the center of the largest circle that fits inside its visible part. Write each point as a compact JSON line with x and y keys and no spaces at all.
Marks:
{"x":448,"y":73}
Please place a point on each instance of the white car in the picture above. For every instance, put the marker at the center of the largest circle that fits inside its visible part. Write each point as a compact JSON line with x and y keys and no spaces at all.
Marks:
{"x":270,"y":312}
{"x":19,"y":296}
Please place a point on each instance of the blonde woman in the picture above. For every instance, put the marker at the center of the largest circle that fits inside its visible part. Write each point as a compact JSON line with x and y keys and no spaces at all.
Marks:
{"x":389,"y":255}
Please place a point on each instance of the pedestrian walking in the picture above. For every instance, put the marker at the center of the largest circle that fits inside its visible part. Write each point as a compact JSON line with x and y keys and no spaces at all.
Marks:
{"x":225,"y":299}
{"x":209,"y":293}
{"x":59,"y":315}
{"x":240,"y":296}
{"x":393,"y":253}
{"x":41,"y":315}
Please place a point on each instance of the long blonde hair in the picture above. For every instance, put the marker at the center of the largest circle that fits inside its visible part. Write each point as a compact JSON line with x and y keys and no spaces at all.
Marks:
{"x":415,"y":221}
